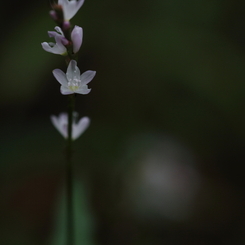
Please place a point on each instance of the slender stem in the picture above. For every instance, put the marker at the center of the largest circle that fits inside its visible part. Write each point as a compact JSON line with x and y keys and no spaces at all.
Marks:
{"x":70,"y":214}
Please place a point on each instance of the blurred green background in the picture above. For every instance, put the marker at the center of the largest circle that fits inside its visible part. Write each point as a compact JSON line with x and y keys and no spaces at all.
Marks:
{"x":163,"y":159}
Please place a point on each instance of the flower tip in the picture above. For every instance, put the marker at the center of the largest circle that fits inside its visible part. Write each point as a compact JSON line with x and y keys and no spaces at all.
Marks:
{"x":86,"y":121}
{"x":45,"y":46}
{"x":70,"y":8}
{"x":53,"y":15}
{"x":66,"y":25}
{"x":80,"y":127}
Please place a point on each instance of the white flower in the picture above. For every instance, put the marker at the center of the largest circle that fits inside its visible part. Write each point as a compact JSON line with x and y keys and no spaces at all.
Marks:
{"x":72,"y":82}
{"x":70,"y":8}
{"x":61,"y":124}
{"x":59,"y":46}
{"x":61,"y":41}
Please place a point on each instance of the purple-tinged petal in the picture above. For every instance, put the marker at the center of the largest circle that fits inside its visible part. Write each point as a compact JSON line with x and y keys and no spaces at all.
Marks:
{"x":58,"y":47}
{"x":64,"y":41}
{"x":52,"y":33}
{"x":58,"y":32}
{"x":77,"y":38}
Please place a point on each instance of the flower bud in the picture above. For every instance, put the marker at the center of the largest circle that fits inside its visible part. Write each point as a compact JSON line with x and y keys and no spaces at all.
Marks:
{"x":66,"y":25}
{"x":53,"y":15}
{"x":77,"y":37}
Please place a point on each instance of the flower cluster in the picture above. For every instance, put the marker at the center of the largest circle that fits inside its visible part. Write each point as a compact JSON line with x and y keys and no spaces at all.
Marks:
{"x":67,"y":43}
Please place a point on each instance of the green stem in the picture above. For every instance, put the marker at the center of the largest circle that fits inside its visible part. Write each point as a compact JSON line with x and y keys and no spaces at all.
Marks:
{"x":70,"y":214}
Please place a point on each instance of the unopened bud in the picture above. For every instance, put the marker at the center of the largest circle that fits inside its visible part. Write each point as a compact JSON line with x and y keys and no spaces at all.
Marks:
{"x":66,"y":25}
{"x":53,"y":15}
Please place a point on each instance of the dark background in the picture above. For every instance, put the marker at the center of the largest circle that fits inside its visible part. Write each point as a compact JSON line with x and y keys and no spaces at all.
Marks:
{"x":163,"y":159}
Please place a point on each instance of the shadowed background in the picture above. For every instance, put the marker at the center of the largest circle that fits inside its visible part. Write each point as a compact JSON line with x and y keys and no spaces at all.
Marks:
{"x":163,"y":159}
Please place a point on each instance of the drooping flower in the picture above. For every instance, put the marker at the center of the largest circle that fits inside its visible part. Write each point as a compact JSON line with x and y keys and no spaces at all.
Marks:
{"x":59,"y":46}
{"x":61,"y":41}
{"x":61,"y":124}
{"x":70,"y":8}
{"x":72,"y":82}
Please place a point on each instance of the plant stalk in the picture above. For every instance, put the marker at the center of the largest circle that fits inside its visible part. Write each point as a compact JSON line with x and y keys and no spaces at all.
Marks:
{"x":70,"y":211}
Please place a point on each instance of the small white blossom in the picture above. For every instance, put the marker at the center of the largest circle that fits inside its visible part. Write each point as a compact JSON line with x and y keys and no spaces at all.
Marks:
{"x":70,"y":8}
{"x":72,"y":82}
{"x":61,"y":124}
{"x":59,"y":46}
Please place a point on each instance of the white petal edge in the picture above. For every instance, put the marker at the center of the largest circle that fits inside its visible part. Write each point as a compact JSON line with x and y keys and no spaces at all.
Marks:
{"x":65,"y":90}
{"x":70,"y":8}
{"x":87,"y":76}
{"x":79,"y":128}
{"x":59,"y":31}
{"x":60,"y":77}
{"x":55,"y":49}
{"x":46,"y":46}
{"x":83,"y":90}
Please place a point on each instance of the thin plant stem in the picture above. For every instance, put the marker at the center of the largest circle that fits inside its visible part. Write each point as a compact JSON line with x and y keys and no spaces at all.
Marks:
{"x":70,"y":211}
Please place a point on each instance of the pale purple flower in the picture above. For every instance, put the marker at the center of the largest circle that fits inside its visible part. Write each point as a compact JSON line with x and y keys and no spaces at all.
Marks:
{"x":72,"y":82}
{"x":59,"y":46}
{"x":77,"y":38}
{"x":61,"y":124}
{"x":70,"y":8}
{"x":61,"y":41}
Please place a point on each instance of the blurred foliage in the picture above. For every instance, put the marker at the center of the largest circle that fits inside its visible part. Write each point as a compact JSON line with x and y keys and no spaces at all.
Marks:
{"x":163,"y":67}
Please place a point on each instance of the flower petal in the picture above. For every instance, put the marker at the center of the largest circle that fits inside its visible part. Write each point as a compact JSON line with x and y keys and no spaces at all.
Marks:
{"x":46,"y":46}
{"x":52,"y":33}
{"x":59,"y":31}
{"x":60,"y":124}
{"x":60,"y":76}
{"x":87,"y":76}
{"x":77,"y":38}
{"x":61,"y":41}
{"x":70,"y":8}
{"x":55,"y":49}
{"x":79,"y":128}
{"x":65,"y":90}
{"x":83,"y":90}
{"x":72,"y":71}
